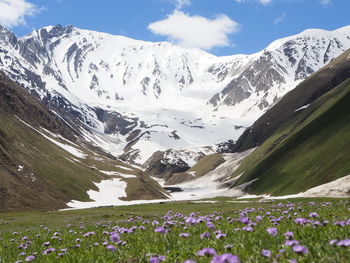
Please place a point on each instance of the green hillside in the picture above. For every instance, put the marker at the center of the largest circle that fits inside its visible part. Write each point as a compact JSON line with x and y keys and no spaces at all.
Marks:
{"x":312,"y":148}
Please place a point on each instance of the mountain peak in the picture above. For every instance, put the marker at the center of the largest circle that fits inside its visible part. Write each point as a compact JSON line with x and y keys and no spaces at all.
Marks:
{"x":59,"y":29}
{"x":6,"y":36}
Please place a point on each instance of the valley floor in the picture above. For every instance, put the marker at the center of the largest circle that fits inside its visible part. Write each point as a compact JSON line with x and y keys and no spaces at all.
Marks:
{"x":292,"y":230}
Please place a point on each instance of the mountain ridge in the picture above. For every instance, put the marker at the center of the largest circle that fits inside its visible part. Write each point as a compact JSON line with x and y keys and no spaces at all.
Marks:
{"x":115,"y":89}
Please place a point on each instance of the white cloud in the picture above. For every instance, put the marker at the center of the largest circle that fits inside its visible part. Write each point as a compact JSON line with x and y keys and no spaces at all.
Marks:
{"x":280,"y":18}
{"x":13,"y":12}
{"x":181,"y":3}
{"x":264,"y":2}
{"x":325,"y":2}
{"x":195,"y":31}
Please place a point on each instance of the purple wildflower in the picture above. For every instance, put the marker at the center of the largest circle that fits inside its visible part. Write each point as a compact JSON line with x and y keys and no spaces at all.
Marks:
{"x":225,"y":258}
{"x":266,"y":253}
{"x":206,"y":252}
{"x":344,"y":243}
{"x":210,"y":225}
{"x":288,"y":235}
{"x":291,"y":243}
{"x":89,"y":234}
{"x":156,"y":259}
{"x":300,"y":249}
{"x":313,"y":214}
{"x":46,"y":244}
{"x":205,"y":235}
{"x":29,"y":258}
{"x":114,"y":237}
{"x":258,"y":219}
{"x":190,"y":220}
{"x":220,"y":235}
{"x":160,"y":229}
{"x":248,"y":229}
{"x":111,"y":248}
{"x":272,"y":231}
{"x":48,"y":251}
{"x":184,"y":235}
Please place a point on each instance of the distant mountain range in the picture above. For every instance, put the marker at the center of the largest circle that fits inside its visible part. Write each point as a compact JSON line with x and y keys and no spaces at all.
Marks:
{"x":98,"y":102}
{"x":152,"y":97}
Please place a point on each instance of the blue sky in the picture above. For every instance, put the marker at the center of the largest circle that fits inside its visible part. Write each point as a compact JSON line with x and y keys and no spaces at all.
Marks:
{"x":222,"y":27}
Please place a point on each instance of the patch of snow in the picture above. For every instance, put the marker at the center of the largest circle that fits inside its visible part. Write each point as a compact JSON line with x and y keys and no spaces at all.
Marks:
{"x":72,"y":150}
{"x":126,"y":168}
{"x":108,"y":194}
{"x":336,"y":188}
{"x":204,"y":202}
{"x":302,"y":108}
{"x":114,"y":173}
{"x":192,"y":173}
{"x":20,"y":168}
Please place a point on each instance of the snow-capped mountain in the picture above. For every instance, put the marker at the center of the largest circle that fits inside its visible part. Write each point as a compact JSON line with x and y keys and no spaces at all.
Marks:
{"x":140,"y":97}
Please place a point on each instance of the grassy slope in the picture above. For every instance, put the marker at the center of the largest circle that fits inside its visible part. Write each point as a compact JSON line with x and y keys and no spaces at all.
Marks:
{"x":311,"y":149}
{"x":48,"y":179}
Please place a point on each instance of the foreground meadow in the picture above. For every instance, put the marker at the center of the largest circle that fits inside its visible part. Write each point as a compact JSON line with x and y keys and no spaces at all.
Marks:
{"x":297,"y":230}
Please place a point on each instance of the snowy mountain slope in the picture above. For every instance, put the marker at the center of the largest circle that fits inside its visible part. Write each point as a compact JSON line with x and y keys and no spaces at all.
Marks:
{"x":282,"y":65}
{"x":140,"y":97}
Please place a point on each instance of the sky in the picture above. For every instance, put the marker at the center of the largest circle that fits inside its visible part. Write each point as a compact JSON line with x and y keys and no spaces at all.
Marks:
{"x":220,"y":27}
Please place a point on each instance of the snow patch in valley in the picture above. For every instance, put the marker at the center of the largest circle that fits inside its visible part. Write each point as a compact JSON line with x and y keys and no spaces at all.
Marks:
{"x":114,"y":173}
{"x":108,"y":194}
{"x":207,"y":186}
{"x":336,"y":188}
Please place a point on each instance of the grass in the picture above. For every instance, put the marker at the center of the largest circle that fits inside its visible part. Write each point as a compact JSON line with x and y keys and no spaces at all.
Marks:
{"x":206,"y":164}
{"x":139,"y":241}
{"x":311,"y":149}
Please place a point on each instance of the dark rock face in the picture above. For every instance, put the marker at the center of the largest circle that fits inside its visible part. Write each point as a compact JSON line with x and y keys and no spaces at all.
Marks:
{"x":116,"y":122}
{"x":262,"y":74}
{"x":225,"y":147}
{"x":160,"y":166}
{"x":7,"y":37}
